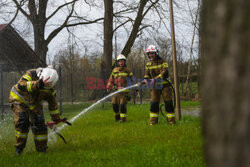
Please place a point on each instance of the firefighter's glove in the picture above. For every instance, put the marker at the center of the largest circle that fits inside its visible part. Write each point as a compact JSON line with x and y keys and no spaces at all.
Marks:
{"x":40,"y":84}
{"x":109,"y":88}
{"x":144,"y":82}
{"x":55,"y":118}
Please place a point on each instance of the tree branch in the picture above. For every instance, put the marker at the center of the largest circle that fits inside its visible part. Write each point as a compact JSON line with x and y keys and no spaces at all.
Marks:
{"x":19,"y":6}
{"x":122,"y":24}
{"x":153,"y":3}
{"x":32,"y":9}
{"x":60,"y":8}
{"x":17,"y":10}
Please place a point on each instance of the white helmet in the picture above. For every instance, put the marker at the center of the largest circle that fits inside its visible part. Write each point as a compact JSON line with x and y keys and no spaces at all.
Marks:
{"x":121,"y":57}
{"x":39,"y":71}
{"x":151,"y":49}
{"x":50,"y":75}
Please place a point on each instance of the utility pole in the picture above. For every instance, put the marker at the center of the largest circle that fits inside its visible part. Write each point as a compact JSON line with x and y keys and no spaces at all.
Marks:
{"x":116,"y":49}
{"x":60,"y":89}
{"x":176,"y":83}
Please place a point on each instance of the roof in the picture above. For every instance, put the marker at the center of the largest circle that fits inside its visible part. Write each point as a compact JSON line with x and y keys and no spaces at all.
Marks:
{"x":15,"y":53}
{"x":2,"y":26}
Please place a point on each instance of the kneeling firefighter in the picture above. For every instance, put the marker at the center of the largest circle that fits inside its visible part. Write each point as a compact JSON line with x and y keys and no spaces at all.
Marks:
{"x":26,"y":102}
{"x":119,"y":79}
{"x":156,"y":72}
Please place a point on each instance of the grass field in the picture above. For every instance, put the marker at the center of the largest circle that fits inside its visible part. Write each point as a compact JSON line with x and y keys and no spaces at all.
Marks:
{"x":95,"y":139}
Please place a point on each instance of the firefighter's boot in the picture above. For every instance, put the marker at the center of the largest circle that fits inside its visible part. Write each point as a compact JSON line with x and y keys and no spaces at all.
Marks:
{"x":123,"y":117}
{"x":153,"y":118}
{"x":169,"y":107}
{"x":117,"y":117}
{"x":42,"y":150}
{"x":116,"y":111}
{"x":171,"y":118}
{"x":123,"y":114}
{"x":19,"y":151}
{"x":154,"y":114}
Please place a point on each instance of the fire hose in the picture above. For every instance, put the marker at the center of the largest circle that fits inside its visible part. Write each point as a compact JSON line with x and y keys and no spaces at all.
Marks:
{"x":52,"y":126}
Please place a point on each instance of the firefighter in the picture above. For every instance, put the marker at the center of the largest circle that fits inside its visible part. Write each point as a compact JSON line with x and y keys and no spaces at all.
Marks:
{"x":156,"y":74}
{"x":119,"y":79}
{"x":26,"y":102}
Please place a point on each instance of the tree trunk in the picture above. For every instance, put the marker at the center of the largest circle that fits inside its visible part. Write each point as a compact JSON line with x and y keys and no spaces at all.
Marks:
{"x":226,"y":78}
{"x":188,"y":83}
{"x":106,"y":62}
{"x":41,"y":47}
{"x":127,"y":48}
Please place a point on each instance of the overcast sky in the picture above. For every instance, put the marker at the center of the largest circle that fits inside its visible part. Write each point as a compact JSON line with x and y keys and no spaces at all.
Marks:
{"x":88,"y":34}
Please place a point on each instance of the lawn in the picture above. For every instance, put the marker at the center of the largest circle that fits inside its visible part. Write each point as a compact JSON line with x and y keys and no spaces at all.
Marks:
{"x":95,"y":139}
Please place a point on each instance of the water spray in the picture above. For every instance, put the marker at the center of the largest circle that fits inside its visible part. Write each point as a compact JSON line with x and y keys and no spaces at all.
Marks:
{"x":52,"y":133}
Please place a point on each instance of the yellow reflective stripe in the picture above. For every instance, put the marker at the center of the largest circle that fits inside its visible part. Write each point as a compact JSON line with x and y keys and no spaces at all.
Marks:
{"x":130,"y":74}
{"x":123,"y":115}
{"x":31,"y":107}
{"x":170,"y":115}
{"x":123,"y":74}
{"x":165,"y":65}
{"x":45,"y":90}
{"x":148,"y":63}
{"x":146,"y":68}
{"x":21,"y":135}
{"x":53,"y":93}
{"x":12,"y":94}
{"x":146,"y":76}
{"x":164,"y":82}
{"x":115,"y":70}
{"x":154,"y":114}
{"x":126,"y":90}
{"x":29,"y":86}
{"x":155,"y":67}
{"x":41,"y":137}
{"x":54,"y":111}
{"x":27,"y":77}
{"x":160,"y":76}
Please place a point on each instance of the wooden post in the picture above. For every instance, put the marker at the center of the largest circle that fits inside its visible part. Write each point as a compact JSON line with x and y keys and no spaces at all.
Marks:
{"x":60,"y":90}
{"x":176,"y":83}
{"x":140,"y":90}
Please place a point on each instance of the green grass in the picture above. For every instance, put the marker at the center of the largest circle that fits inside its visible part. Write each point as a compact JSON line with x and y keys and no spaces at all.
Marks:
{"x":194,"y":88}
{"x":95,"y":139}
{"x":190,"y":103}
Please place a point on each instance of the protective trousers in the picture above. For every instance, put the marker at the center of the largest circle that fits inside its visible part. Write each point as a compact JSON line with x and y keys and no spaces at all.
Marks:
{"x":166,"y":92}
{"x":23,"y":119}
{"x":119,"y":101}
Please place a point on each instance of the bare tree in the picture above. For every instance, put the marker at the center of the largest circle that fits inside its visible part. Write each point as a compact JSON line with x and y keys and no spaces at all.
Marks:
{"x":108,"y":36}
{"x":36,"y":13}
{"x":190,"y":61}
{"x":226,"y":88}
{"x":137,"y":24}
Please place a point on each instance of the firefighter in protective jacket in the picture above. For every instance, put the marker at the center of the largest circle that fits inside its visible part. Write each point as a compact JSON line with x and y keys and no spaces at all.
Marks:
{"x":156,"y":72}
{"x":26,"y":99}
{"x":119,"y":79}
